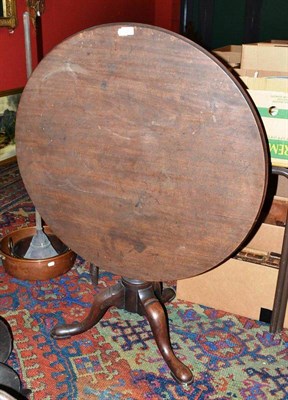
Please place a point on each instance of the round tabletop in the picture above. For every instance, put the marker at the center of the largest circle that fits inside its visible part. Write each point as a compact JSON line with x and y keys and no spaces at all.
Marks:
{"x":141,"y":151}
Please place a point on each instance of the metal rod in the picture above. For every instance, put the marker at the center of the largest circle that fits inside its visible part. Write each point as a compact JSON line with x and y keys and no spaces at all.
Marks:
{"x":38,"y":220}
{"x":28,"y":52}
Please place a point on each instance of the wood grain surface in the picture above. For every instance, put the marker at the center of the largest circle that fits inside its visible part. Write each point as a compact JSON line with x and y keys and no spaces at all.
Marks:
{"x":141,"y":152}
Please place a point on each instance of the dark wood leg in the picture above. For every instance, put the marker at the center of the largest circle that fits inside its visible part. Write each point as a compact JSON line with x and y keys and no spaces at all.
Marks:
{"x":164,"y":295}
{"x":157,"y":318}
{"x":94,"y":273}
{"x":112,"y":296}
{"x":281,"y":293}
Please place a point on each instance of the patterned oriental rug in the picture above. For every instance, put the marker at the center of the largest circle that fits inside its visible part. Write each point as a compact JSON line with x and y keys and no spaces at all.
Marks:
{"x":232,"y":357}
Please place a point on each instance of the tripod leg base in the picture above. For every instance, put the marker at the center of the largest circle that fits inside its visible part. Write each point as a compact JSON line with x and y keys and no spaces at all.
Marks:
{"x":139,"y":297}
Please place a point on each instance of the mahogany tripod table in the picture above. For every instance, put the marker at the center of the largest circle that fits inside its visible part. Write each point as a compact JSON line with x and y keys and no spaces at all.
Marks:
{"x":145,"y":156}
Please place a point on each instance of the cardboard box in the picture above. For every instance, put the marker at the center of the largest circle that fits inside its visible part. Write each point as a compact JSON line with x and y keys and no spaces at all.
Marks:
{"x":239,"y":286}
{"x":229,"y":54}
{"x":267,"y":237}
{"x":260,"y":73}
{"x":278,"y":41}
{"x":265,"y":56}
{"x":270,"y":95}
{"x":282,"y":187}
{"x":277,"y":215}
{"x":263,"y":67}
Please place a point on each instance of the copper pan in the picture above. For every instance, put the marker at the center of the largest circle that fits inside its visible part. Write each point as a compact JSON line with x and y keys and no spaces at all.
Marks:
{"x":14,"y":245}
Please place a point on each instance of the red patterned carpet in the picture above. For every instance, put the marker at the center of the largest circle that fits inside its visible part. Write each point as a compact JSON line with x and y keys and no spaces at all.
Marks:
{"x":232,"y":357}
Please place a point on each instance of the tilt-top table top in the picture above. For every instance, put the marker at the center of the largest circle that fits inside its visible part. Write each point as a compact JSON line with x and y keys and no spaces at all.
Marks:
{"x":141,"y":152}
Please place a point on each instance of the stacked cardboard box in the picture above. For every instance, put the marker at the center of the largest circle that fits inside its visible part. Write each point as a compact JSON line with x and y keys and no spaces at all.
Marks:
{"x":246,"y":283}
{"x":263,"y":68}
